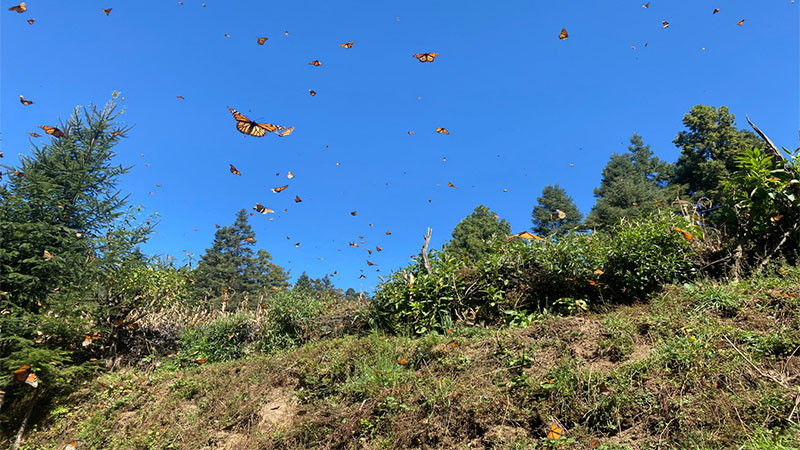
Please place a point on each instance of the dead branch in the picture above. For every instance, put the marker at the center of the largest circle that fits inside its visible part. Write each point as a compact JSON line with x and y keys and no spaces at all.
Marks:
{"x":425,"y":259}
{"x":770,"y":145}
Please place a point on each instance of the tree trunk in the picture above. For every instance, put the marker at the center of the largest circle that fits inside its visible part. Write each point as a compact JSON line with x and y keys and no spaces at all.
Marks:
{"x":21,"y":432}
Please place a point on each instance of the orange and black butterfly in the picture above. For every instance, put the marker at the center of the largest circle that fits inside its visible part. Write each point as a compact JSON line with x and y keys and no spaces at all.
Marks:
{"x":234,"y":170}
{"x":441,"y":130}
{"x":347,"y":45}
{"x":286,"y":132}
{"x":180,"y":97}
{"x":425,"y":57}
{"x":107,"y":11}
{"x":30,"y":21}
{"x":646,"y":5}
{"x":279,"y":189}
{"x":353,"y":213}
{"x":297,"y":199}
{"x":21,"y":8}
{"x":563,"y":35}
{"x":664,"y":24}
{"x":247,"y":126}
{"x":47,"y":256}
{"x":261,"y":40}
{"x":740,"y":23}
{"x":555,"y":432}
{"x":449,"y":184}
{"x":35,"y":134}
{"x":716,"y":10}
{"x":315,"y":63}
{"x":52,"y":130}
{"x":262,"y":209}
{"x":24,"y":101}
{"x":312,"y":92}
{"x":370,"y":263}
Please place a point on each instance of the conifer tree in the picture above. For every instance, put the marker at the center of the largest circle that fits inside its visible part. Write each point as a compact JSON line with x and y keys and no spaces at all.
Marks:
{"x":709,"y":147}
{"x":633,"y":185}
{"x":230,"y":268}
{"x":472,"y":237}
{"x":555,"y":212}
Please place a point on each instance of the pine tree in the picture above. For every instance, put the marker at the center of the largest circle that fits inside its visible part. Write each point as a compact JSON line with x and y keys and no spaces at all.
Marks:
{"x":555,"y":212}
{"x":303,"y":283}
{"x":473,"y":236}
{"x":709,"y":148}
{"x":231,"y":269}
{"x":633,"y":185}
{"x":64,"y":232}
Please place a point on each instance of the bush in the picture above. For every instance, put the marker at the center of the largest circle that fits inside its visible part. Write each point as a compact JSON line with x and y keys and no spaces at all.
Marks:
{"x":288,"y":314}
{"x":223,"y":339}
{"x":624,"y":263}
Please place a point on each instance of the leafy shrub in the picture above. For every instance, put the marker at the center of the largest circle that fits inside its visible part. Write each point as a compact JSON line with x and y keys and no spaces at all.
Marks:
{"x":288,"y":314}
{"x":626,"y":262}
{"x":222,"y":339}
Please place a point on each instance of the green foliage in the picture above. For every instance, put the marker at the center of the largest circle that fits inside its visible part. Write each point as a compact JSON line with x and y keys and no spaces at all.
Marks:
{"x":545,"y":216}
{"x":289,"y":313}
{"x":762,"y":205}
{"x":625,"y":262}
{"x":230,"y":270}
{"x":473,"y":236}
{"x":709,"y":147}
{"x":223,"y":339}
{"x":633,"y":186}
{"x":65,"y":232}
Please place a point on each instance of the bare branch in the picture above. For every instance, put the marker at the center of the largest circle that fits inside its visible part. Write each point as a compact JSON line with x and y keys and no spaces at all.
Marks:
{"x":425,"y":259}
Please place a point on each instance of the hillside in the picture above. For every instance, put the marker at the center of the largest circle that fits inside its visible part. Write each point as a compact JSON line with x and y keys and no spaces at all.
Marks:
{"x":697,"y":366}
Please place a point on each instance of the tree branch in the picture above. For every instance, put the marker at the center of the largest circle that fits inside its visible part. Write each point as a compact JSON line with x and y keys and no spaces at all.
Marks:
{"x":425,"y":259}
{"x":770,"y":145}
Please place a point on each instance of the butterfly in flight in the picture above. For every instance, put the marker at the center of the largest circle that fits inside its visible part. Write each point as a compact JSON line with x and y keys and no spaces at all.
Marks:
{"x":247,"y":126}
{"x":262,"y":209}
{"x":425,"y":57}
{"x":441,"y":130}
{"x":286,"y":132}
{"x":234,"y":170}
{"x":24,"y":101}
{"x":312,"y":92}
{"x":716,"y":10}
{"x":279,"y":189}
{"x":30,"y":21}
{"x":315,"y":63}
{"x":261,"y":40}
{"x":563,"y":35}
{"x":52,"y":130}
{"x":107,"y":11}
{"x":21,"y":8}
{"x":347,"y":45}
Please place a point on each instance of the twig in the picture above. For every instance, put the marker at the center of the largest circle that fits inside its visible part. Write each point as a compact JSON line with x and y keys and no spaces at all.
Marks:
{"x":760,"y":372}
{"x":770,"y":145}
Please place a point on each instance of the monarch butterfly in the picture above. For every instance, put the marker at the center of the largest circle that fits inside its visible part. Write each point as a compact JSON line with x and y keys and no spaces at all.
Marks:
{"x":554,"y":432}
{"x":685,"y":233}
{"x":402,"y":361}
{"x":410,"y":133}
{"x":370,"y":263}
{"x":449,"y":184}
{"x":52,"y":130}
{"x":646,"y":5}
{"x":249,"y":239}
{"x":290,"y":175}
{"x":716,"y":10}
{"x":388,"y":233}
{"x":21,"y":8}
{"x":107,"y":11}
{"x":35,"y":134}
{"x":361,"y":276}
{"x":740,"y":23}
{"x":279,"y":189}
{"x":598,"y":272}
{"x":286,"y":132}
{"x":315,"y":63}
{"x":312,"y":92}
{"x":201,"y":360}
{"x":664,"y":24}
{"x":441,"y":130}
{"x":563,"y":35}
{"x":353,"y":213}
{"x":378,"y":249}
{"x":261,"y":40}
{"x":262,"y":209}
{"x":30,"y":21}
{"x":425,"y":57}
{"x":297,"y":199}
{"x":180,"y":97}
{"x":47,"y":256}
{"x":558,"y":214}
{"x":347,"y":44}
{"x":25,"y":102}
{"x":247,"y":126}
{"x":234,"y":170}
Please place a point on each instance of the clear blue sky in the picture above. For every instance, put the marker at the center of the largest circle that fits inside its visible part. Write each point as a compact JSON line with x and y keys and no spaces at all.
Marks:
{"x":520,"y":104}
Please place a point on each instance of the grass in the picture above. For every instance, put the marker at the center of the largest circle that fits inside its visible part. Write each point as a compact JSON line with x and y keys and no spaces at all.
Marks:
{"x":698,"y":366}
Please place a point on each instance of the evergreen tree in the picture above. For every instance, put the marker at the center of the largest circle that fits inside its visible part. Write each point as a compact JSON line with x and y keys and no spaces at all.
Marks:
{"x":231,"y":269}
{"x":472,"y":237}
{"x":555,"y":212}
{"x":633,"y":185}
{"x":65,"y":232}
{"x":303,"y":283}
{"x":709,"y":147}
